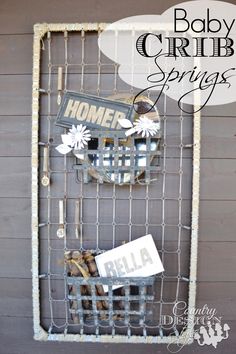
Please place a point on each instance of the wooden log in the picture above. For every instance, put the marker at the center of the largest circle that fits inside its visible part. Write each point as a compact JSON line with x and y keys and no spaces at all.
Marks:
{"x":90,"y":261}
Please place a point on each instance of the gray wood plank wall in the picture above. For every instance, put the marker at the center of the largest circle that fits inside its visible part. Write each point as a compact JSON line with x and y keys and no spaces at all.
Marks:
{"x":217,"y":246}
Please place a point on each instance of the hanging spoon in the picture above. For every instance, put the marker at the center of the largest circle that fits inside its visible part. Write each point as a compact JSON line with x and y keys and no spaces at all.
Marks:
{"x":61,"y":230}
{"x":45,"y":179}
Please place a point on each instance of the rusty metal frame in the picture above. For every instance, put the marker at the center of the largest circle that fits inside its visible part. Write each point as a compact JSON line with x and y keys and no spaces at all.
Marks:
{"x":186,"y":337}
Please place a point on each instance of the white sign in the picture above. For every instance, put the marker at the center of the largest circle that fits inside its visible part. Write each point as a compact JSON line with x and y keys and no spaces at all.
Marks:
{"x":138,"y":258}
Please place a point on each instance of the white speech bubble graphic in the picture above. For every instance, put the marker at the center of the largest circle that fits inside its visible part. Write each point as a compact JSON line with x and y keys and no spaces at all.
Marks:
{"x":190,"y":48}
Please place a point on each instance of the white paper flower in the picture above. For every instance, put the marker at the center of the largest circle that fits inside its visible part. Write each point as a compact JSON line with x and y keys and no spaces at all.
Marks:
{"x":76,"y":139}
{"x":143,"y":125}
{"x":146,"y":126}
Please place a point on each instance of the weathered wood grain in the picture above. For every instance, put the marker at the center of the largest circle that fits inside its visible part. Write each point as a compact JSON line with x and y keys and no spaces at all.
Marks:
{"x":172,"y":180}
{"x":23,"y":343}
{"x":15,"y":258}
{"x":15,"y":136}
{"x":16,"y":254}
{"x":15,"y":98}
{"x":13,"y":21}
{"x":15,"y":218}
{"x":15,"y":179}
{"x":227,"y":110}
{"x":220,"y":295}
{"x":22,"y":62}
{"x":16,"y":297}
{"x":218,"y":136}
{"x":16,"y":54}
{"x":217,"y":179}
{"x":216,"y":259}
{"x":16,"y":93}
{"x":217,"y":218}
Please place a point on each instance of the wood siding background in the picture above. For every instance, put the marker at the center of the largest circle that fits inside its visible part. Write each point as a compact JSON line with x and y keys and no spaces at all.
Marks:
{"x":217,"y":243}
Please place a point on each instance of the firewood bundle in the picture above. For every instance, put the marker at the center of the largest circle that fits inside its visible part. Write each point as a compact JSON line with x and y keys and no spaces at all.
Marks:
{"x":83,"y":265}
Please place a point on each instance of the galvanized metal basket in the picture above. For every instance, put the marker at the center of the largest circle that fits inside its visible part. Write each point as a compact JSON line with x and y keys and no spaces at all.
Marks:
{"x":124,"y":308}
{"x":112,"y":157}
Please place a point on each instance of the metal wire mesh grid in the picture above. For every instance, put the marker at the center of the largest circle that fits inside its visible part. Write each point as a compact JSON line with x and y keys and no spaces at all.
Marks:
{"x":119,"y":163}
{"x":102,"y":224}
{"x":124,"y":308}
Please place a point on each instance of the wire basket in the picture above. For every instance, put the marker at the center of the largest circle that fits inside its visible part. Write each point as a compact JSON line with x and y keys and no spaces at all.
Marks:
{"x":118,"y":159}
{"x":126,"y":306}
